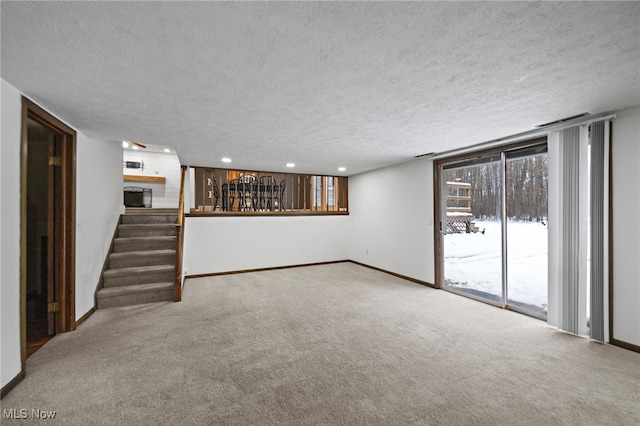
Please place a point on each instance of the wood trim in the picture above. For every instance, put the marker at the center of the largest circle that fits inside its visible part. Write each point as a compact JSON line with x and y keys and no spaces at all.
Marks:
{"x":65,"y":318}
{"x":24,"y":141}
{"x":404,"y":277}
{"x":625,"y":345}
{"x":177,"y":288}
{"x":68,"y":312}
{"x":273,"y":268}
{"x":144,"y":178}
{"x":266,"y":213}
{"x":13,"y":383}
{"x":86,"y":316}
{"x":44,"y":117}
{"x":302,"y":265}
{"x":611,"y":260}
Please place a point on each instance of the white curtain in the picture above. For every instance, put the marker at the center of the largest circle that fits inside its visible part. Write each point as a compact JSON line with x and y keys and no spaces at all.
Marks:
{"x":599,"y":203}
{"x":577,"y":248}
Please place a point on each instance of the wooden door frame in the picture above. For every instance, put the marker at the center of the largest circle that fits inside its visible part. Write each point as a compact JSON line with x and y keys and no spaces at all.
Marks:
{"x":65,"y":316}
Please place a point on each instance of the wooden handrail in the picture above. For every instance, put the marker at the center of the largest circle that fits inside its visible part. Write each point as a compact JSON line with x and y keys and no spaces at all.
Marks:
{"x":177,"y":289}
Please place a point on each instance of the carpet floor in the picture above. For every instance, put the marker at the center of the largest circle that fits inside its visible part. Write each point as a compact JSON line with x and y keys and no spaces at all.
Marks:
{"x":331,"y":344}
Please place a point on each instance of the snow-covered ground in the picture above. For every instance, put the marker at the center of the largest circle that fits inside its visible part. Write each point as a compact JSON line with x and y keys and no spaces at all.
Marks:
{"x":473,"y":261}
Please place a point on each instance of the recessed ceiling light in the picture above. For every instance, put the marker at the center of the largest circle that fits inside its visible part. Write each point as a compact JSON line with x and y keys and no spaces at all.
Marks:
{"x":341,"y":169}
{"x":125,"y":144}
{"x":226,"y":160}
{"x":290,"y":165}
{"x":167,"y":150}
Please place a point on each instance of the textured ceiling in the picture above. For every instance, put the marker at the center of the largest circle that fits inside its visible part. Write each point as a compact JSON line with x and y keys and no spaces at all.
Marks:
{"x":323,"y":85}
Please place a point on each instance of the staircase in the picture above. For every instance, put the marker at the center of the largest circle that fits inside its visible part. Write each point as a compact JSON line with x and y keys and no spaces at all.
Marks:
{"x":141,"y":268}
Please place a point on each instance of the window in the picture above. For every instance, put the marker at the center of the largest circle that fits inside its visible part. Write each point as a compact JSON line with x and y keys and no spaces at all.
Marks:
{"x":317,"y":190}
{"x":324,"y":192}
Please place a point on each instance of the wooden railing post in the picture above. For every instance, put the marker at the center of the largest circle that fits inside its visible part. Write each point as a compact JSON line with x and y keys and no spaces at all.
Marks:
{"x":177,"y":290}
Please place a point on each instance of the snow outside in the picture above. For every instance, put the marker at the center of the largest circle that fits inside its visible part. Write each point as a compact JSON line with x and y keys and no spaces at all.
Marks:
{"x":473,"y":262}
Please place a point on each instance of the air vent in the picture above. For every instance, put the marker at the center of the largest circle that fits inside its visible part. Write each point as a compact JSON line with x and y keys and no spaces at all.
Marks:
{"x":562,"y":120}
{"x":424,"y":155}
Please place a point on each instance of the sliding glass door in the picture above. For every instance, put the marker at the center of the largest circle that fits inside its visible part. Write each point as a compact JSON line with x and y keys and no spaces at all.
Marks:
{"x":526,"y":230}
{"x":472,"y":228}
{"x":493,"y":216}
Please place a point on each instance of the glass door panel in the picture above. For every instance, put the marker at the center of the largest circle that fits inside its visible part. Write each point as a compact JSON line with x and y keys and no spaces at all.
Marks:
{"x":493,"y":215}
{"x":472,"y":229}
{"x":527,"y":249}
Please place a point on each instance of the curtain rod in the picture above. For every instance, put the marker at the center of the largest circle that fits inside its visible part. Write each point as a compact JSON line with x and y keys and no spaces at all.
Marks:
{"x":530,"y":134}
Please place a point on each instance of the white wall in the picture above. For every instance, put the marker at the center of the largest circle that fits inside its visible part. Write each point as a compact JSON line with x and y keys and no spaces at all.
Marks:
{"x":625,"y":154}
{"x":99,"y":200}
{"x":11,"y":116}
{"x":156,"y":164}
{"x":222,"y":244}
{"x":98,"y":205}
{"x":391,"y":219}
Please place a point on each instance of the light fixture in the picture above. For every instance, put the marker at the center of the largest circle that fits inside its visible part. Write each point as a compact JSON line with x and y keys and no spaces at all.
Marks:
{"x":167,"y":150}
{"x":290,"y":165}
{"x":125,"y":144}
{"x":342,"y":169}
{"x":226,"y":160}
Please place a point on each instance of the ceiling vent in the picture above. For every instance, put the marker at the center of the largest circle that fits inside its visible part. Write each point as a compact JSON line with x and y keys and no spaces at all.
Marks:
{"x":424,"y":155}
{"x":562,"y":120}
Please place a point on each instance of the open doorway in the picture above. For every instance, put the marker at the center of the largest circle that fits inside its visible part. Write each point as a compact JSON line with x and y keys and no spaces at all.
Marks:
{"x":47,"y":228}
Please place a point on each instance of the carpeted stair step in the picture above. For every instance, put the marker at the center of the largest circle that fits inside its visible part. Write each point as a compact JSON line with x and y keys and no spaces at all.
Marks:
{"x":146,"y":230}
{"x":129,"y":219}
{"x":129,"y":211}
{"x":135,"y":294}
{"x":144,"y":243}
{"x":142,"y":263}
{"x":138,"y":275}
{"x":142,"y":258}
